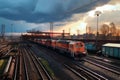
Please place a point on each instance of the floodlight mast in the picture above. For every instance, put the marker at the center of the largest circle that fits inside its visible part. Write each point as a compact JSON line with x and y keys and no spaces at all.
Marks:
{"x":97,"y":13}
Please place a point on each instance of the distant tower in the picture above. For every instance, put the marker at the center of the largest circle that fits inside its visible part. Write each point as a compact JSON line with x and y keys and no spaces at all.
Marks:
{"x":78,"y":32}
{"x":69,"y":31}
{"x":3,"y":31}
{"x":88,"y":29}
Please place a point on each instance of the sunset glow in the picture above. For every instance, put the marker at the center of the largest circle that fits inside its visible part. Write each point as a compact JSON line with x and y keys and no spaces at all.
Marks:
{"x":80,"y":25}
{"x":81,"y":28}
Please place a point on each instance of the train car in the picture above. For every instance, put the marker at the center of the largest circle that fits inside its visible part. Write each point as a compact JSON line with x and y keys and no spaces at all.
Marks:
{"x":91,"y":47}
{"x":111,"y":49}
{"x":48,"y":42}
{"x":39,"y":41}
{"x":43,"y":41}
{"x":53,"y":44}
{"x":62,"y":45}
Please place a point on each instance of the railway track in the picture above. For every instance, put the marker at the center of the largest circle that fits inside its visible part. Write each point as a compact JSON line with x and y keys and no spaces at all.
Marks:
{"x":13,"y":71}
{"x":116,"y":68}
{"x":103,"y":65}
{"x":5,"y":51}
{"x":85,"y":73}
{"x":10,"y":67}
{"x":29,"y":67}
{"x":107,"y":60}
{"x":22,"y":70}
{"x":25,"y":67}
{"x":16,"y":68}
{"x":42,"y":71}
{"x":32,"y":70}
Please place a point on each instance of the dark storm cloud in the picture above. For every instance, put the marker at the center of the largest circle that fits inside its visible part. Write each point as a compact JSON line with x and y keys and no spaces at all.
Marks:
{"x":38,"y":11}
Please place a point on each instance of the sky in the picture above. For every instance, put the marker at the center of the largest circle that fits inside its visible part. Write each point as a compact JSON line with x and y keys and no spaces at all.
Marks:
{"x":23,"y":15}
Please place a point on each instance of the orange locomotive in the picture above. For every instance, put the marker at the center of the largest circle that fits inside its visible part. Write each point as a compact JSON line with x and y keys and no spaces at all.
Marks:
{"x":77,"y":49}
{"x":72,"y":48}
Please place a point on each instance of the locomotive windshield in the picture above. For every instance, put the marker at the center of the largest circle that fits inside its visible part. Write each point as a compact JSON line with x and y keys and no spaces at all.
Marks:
{"x":79,"y":45}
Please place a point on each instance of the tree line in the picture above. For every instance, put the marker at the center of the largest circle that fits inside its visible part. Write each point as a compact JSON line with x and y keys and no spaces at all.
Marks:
{"x":110,"y":31}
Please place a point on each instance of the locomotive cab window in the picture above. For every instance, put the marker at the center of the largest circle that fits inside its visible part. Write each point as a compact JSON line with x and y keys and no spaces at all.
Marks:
{"x":79,"y":45}
{"x":71,"y":46}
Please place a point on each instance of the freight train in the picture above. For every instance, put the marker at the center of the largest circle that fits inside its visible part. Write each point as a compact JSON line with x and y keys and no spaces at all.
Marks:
{"x":74,"y":49}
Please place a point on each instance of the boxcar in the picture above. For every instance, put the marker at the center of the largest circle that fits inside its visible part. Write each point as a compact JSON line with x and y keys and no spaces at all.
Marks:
{"x":111,"y":49}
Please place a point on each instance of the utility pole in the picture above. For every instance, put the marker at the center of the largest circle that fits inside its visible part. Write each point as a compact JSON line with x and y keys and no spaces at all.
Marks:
{"x":51,"y":29}
{"x":86,"y":33}
{"x":69,"y":33}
